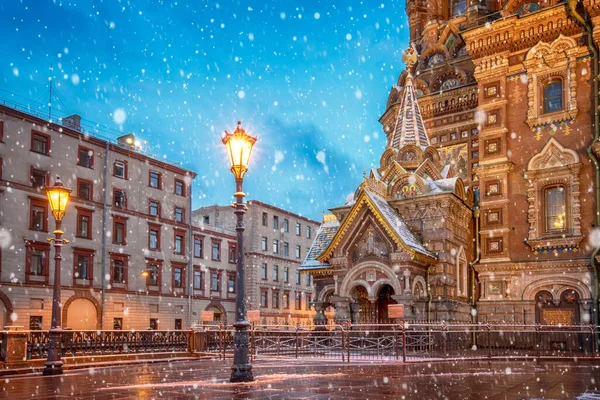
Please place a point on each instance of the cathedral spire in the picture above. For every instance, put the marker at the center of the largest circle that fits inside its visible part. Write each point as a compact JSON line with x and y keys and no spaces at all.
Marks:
{"x":409,"y":127}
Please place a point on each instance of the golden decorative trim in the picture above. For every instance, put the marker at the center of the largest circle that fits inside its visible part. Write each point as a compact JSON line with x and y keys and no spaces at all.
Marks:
{"x":329,"y":218}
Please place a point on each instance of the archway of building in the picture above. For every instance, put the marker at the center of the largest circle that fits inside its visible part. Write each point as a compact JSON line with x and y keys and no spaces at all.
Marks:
{"x":370,"y":311}
{"x":6,"y":309}
{"x":560,"y":308}
{"x":384,"y":299}
{"x":82,"y":315}
{"x":219,"y":313}
{"x":3,"y":315}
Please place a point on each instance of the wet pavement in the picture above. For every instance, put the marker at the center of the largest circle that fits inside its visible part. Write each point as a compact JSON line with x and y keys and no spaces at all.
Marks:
{"x":319,"y":379}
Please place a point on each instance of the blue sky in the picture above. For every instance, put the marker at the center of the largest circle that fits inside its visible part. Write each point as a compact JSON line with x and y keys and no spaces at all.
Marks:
{"x":309,"y":78}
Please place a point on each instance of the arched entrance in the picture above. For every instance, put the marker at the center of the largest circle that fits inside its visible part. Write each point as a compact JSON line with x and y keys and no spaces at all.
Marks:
{"x":3,"y":315}
{"x":383,"y":300}
{"x":219,"y":313}
{"x":362,"y":311}
{"x":82,"y":315}
{"x":565,"y":311}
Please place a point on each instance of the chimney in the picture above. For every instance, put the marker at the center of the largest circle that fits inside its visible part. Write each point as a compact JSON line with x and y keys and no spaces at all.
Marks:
{"x":127,"y":141}
{"x":72,"y":122}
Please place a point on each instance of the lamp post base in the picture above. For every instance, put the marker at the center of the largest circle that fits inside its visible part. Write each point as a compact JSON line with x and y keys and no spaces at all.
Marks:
{"x":53,"y":368}
{"x":241,"y":373}
{"x":54,"y":363}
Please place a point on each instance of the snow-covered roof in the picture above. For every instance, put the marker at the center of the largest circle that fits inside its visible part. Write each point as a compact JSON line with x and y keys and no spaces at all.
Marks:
{"x":325,"y":234}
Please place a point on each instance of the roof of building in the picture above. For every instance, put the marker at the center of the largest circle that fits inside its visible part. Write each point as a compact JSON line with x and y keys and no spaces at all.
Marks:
{"x":325,"y":234}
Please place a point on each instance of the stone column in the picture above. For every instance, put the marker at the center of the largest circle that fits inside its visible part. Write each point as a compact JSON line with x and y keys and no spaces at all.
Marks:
{"x":320,"y":319}
{"x":406,"y":274}
{"x":341,"y":304}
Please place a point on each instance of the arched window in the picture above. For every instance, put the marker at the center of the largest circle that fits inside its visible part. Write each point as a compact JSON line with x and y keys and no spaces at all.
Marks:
{"x":555,"y":207}
{"x":553,"y":96}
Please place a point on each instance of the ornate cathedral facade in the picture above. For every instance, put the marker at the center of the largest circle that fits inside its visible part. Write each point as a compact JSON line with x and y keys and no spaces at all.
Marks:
{"x":484,"y":206}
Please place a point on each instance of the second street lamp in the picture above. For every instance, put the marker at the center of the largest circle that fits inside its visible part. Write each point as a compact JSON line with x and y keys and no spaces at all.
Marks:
{"x":58,"y":197}
{"x":239,"y":147}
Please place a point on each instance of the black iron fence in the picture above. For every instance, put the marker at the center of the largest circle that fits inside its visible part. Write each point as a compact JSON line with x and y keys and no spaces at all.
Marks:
{"x":92,"y":343}
{"x":412,"y":342}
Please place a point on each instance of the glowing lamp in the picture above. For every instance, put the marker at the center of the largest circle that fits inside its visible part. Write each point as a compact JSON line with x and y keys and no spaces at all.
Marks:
{"x":58,"y":197}
{"x":239,"y":147}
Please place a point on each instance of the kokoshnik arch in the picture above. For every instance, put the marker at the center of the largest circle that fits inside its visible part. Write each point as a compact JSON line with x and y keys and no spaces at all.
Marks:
{"x":483,"y":203}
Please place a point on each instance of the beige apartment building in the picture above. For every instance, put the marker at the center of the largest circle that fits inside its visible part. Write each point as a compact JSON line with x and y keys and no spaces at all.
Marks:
{"x":276,"y":242}
{"x":129,"y":215}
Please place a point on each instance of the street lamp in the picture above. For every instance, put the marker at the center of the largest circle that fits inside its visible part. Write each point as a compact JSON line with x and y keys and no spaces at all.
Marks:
{"x":58,"y":197}
{"x":239,"y":147}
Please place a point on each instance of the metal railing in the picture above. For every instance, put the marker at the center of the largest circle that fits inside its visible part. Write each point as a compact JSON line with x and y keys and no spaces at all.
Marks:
{"x":411,"y":342}
{"x":91,"y":343}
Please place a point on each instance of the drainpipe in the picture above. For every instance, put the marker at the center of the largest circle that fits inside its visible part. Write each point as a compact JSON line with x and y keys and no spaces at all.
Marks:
{"x":190,"y":268}
{"x":472,"y":269}
{"x":429,"y":296}
{"x":572,"y":8}
{"x":104,"y":212}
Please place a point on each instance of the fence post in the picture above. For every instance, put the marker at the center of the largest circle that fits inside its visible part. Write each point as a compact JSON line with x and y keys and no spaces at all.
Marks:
{"x":538,"y":339}
{"x":343,"y":343}
{"x":221,"y":341}
{"x":348,"y":325}
{"x":489,"y":339}
{"x":444,"y":339}
{"x":14,"y":347}
{"x":396,"y":342}
{"x":403,"y":342}
{"x":252,"y":344}
{"x":297,"y":343}
{"x":593,"y":337}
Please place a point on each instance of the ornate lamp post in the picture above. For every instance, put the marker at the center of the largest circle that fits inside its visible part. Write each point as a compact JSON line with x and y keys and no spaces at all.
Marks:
{"x":239,"y":147}
{"x":58,"y":197}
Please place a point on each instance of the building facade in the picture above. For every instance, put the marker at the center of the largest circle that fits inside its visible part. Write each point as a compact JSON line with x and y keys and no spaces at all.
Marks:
{"x":503,"y":105}
{"x":128,"y":263}
{"x":276,"y":242}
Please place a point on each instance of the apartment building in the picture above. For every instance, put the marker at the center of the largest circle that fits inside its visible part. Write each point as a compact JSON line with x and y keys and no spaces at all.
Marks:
{"x":128,"y":263}
{"x":276,"y":242}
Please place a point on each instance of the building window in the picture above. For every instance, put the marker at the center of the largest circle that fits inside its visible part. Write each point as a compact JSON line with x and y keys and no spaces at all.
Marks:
{"x":153,"y":324}
{"x":286,"y":249}
{"x":458,"y":7}
{"x":197,"y":280}
{"x":214,"y":281}
{"x":232,"y":254}
{"x":206,"y":220}
{"x":84,"y":189}
{"x":553,"y":96}
{"x":119,"y":170}
{"x":178,"y":324}
{"x":275,"y":246}
{"x":198,"y":247}
{"x":40,"y":143}
{"x":263,"y":271}
{"x":179,"y":215}
{"x":286,"y":274}
{"x":85,"y":157}
{"x":35,"y":323}
{"x":154,"y":238}
{"x":84,"y":223}
{"x":117,"y":324}
{"x":154,"y":208}
{"x":119,"y":230}
{"x":308,"y":232}
{"x":231,"y":283}
{"x":263,"y":243}
{"x":286,"y":225}
{"x":216,"y":251}
{"x":308,"y":279}
{"x":38,"y":255}
{"x":275,"y":300}
{"x":263,"y":298}
{"x":38,"y":215}
{"x":179,"y":188}
{"x":155,"y":180}
{"x":308,"y":301}
{"x":119,"y":272}
{"x":179,"y":242}
{"x":554,"y":207}
{"x":153,"y":275}
{"x":276,"y":273}
{"x":37,"y":263}
{"x":298,"y":251}
{"x":298,"y":228}
{"x":298,"y":305}
{"x":265,"y":219}
{"x":84,"y":267}
{"x":39,"y":178}
{"x":297,"y":277}
{"x":119,"y":199}
{"x":178,"y":275}
{"x":286,"y":300}
{"x":275,"y":222}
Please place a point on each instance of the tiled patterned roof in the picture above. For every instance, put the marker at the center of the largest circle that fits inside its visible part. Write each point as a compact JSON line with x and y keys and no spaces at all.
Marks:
{"x":409,"y":128}
{"x":324,"y":236}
